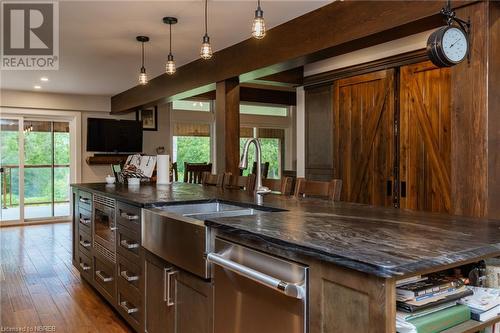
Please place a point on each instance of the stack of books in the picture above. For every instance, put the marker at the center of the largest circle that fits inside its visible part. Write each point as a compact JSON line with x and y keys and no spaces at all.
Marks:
{"x":430,"y":304}
{"x":484,"y":304}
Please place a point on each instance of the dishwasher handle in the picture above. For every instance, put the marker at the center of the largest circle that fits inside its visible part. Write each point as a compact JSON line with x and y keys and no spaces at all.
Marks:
{"x":289,"y":289}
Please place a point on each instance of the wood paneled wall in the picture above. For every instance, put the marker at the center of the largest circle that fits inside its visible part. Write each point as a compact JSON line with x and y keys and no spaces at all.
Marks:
{"x":469,"y":121}
{"x":494,"y":110}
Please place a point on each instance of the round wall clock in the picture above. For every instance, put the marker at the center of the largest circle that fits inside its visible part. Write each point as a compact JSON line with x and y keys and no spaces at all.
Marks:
{"x":447,"y":46}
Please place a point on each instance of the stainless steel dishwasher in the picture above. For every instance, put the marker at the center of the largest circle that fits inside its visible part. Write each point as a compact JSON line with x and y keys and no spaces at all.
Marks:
{"x":256,"y":292}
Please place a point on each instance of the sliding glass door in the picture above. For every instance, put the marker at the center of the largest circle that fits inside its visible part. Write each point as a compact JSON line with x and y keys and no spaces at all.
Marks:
{"x":10,"y":142}
{"x":35,"y":155}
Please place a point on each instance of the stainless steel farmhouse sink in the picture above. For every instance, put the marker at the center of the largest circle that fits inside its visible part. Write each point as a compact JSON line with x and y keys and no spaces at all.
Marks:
{"x":178,"y":234}
{"x":204,"y":211}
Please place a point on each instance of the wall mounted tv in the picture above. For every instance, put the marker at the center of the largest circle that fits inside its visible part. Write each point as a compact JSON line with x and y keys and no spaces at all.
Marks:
{"x":114,"y":136}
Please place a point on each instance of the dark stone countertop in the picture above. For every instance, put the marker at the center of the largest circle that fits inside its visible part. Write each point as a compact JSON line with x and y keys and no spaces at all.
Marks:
{"x":382,"y":241}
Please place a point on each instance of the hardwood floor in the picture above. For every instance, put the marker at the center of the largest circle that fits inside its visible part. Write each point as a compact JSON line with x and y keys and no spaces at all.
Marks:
{"x":40,"y":287}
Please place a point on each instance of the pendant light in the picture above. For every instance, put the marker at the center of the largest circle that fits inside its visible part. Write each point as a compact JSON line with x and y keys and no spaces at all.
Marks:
{"x":170,"y":65}
{"x":143,"y":77}
{"x":206,"y":49}
{"x":259,"y":26}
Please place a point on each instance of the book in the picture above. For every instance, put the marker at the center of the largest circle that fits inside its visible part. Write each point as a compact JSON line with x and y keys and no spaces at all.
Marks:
{"x":483,"y":299}
{"x":409,"y":280}
{"x":407,"y":307}
{"x":485,"y":315}
{"x":431,"y":298}
{"x":441,"y":320}
{"x":401,"y":315}
{"x":428,"y":286}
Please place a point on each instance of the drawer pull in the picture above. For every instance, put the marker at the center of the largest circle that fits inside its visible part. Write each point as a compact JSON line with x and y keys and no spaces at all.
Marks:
{"x":84,"y":221}
{"x":84,"y":200}
{"x":129,"y":217}
{"x":84,"y":266}
{"x":102,"y":277}
{"x":127,"y":277}
{"x":127,"y":309}
{"x":124,"y":243}
{"x":85,"y":243}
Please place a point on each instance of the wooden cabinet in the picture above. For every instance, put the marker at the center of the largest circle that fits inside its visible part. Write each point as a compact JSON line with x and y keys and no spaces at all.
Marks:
{"x":182,"y":302}
{"x":193,"y":295}
{"x":319,"y":133}
{"x":159,"y":313}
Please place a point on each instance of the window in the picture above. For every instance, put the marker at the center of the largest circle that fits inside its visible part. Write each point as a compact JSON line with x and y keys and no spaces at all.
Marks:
{"x":280,"y":111}
{"x":186,"y":105}
{"x":271,"y":141}
{"x":191,"y":143}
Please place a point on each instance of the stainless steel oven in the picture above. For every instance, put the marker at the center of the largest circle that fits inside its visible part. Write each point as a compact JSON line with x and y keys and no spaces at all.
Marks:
{"x":257,"y":292}
{"x":104,"y":227}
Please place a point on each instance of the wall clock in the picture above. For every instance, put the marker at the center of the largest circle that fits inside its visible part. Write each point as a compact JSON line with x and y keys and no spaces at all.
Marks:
{"x":448,"y":46}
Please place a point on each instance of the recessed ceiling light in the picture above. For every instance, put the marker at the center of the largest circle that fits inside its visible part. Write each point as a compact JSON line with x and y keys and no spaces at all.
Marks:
{"x":37,"y":87}
{"x":44,"y":79}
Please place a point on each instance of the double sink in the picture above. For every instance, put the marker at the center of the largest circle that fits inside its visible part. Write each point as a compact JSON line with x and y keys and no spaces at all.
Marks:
{"x":177,"y":233}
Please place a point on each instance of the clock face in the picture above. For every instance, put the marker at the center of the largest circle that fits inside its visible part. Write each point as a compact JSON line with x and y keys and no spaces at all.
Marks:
{"x":454,"y":44}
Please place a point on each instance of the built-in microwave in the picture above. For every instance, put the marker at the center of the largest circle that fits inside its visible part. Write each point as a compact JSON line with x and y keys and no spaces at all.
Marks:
{"x":104,"y":227}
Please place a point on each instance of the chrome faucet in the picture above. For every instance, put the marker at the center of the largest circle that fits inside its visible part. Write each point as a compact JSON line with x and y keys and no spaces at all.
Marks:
{"x":259,"y":189}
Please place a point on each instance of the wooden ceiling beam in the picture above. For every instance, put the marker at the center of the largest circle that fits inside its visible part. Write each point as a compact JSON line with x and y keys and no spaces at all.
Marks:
{"x":257,"y":95}
{"x":339,"y":27}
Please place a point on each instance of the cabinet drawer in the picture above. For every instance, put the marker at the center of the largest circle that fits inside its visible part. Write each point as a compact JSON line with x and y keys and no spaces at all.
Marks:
{"x":129,"y":275}
{"x":85,"y":200}
{"x":128,"y":244}
{"x":85,"y":266}
{"x":129,"y":217}
{"x":130,"y":307}
{"x":84,"y":242}
{"x":104,"y":277}
{"x":84,"y":220}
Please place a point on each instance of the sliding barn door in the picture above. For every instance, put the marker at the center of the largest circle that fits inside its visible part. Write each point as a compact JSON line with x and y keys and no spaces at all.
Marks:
{"x":364,"y":137}
{"x":425,"y":138}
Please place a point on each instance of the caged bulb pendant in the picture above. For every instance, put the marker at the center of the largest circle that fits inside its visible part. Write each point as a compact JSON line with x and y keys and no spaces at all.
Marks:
{"x":259,"y":26}
{"x":170,"y":65}
{"x":143,"y":77}
{"x":206,"y":48}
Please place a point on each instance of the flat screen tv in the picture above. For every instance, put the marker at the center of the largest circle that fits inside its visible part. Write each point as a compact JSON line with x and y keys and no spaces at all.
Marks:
{"x":114,"y":136}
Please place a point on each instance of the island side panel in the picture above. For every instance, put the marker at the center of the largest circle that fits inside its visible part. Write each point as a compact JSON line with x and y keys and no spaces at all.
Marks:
{"x":344,"y":300}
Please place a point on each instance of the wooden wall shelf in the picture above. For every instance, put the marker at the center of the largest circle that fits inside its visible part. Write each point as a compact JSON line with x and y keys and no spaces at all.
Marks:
{"x":106,"y":159}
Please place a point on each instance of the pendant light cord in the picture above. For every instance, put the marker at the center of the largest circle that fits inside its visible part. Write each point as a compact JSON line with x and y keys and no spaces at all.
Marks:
{"x":206,"y":19}
{"x":142,"y":54}
{"x":258,"y":4}
{"x":170,"y":51}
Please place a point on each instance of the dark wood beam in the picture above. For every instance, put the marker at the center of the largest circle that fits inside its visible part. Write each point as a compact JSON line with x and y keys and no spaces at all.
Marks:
{"x":227,"y":120}
{"x":339,"y":27}
{"x":258,"y":95}
{"x":290,"y":78}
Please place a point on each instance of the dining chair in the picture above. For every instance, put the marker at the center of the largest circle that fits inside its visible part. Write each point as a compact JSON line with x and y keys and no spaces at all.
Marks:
{"x":194,"y":171}
{"x":321,"y":189}
{"x":240,"y":182}
{"x":282,"y":186}
{"x":217,"y":180}
{"x":174,"y":173}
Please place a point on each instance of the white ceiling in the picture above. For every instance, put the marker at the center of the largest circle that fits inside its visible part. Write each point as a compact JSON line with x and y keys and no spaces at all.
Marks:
{"x":99,"y":53}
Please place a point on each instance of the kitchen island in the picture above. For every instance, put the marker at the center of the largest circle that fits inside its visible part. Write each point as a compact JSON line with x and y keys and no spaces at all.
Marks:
{"x":355,"y":253}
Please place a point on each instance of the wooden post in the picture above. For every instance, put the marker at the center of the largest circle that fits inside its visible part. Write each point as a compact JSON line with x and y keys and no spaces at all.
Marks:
{"x":227,"y":125}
